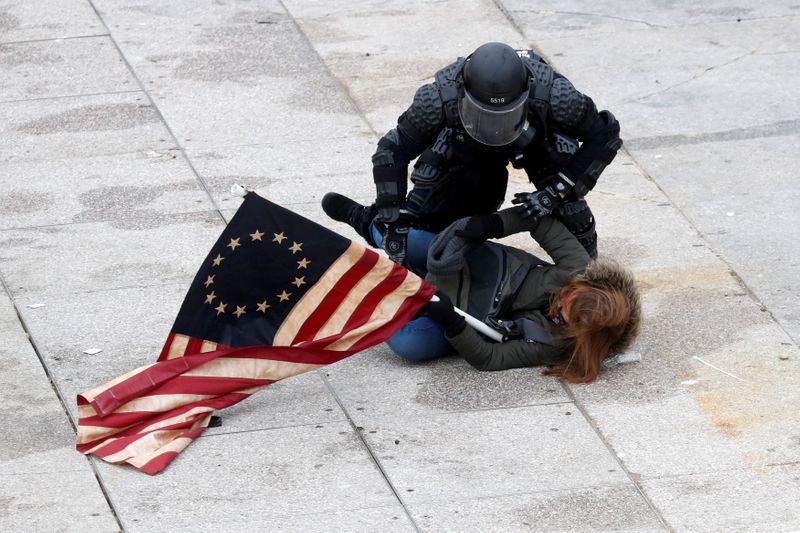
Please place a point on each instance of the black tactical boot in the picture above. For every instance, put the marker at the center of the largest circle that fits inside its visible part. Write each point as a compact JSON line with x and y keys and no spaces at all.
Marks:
{"x":343,"y":209}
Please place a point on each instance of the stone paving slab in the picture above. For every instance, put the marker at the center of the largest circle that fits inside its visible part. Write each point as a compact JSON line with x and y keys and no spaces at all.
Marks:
{"x":382,"y":67}
{"x":607,"y":508}
{"x":233,"y":81}
{"x":736,"y":500}
{"x":290,"y":173}
{"x":129,"y":325}
{"x":133,"y":186}
{"x":143,"y":249}
{"x":298,"y":401}
{"x":62,"y":501}
{"x":497,"y":452}
{"x":79,"y":127}
{"x":552,"y":19}
{"x":656,"y":87}
{"x":753,"y":231}
{"x":37,"y":447}
{"x":377,"y":385}
{"x":23,"y":20}
{"x":47,"y":69}
{"x":247,"y":481}
{"x":243,"y":78}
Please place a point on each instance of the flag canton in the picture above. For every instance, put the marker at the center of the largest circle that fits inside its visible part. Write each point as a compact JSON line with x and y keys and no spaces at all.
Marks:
{"x":263,"y":263}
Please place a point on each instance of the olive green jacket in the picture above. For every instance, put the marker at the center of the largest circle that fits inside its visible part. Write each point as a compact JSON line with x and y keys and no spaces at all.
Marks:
{"x":527,"y":297}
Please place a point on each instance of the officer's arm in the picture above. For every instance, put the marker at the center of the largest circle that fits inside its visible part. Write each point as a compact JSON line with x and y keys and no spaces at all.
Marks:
{"x":485,"y":355}
{"x":416,"y":129}
{"x":576,"y":114}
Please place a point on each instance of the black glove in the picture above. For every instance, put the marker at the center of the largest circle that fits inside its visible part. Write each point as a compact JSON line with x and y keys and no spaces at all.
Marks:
{"x":537,"y":204}
{"x":442,"y":313}
{"x":395,"y":242}
{"x":481,"y":227}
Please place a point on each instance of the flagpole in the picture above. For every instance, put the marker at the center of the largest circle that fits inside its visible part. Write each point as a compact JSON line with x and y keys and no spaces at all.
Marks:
{"x":475,"y":323}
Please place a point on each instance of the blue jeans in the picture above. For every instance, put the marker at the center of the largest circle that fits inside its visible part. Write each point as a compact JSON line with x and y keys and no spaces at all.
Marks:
{"x":421,"y":339}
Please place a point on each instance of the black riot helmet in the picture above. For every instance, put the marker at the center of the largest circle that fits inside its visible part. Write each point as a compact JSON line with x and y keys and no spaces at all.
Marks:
{"x":493,"y":102}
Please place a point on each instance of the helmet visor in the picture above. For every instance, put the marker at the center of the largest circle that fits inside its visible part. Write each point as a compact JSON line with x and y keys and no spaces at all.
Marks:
{"x":493,"y":127}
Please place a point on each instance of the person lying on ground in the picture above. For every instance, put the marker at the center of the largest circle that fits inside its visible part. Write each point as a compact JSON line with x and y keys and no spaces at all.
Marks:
{"x":569,"y":315}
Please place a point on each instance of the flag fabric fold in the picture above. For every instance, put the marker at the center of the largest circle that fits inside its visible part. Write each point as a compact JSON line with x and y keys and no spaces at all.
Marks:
{"x":277,"y":296}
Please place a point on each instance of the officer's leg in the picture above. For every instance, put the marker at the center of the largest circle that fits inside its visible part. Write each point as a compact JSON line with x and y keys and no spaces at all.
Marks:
{"x":358,"y":216}
{"x":417,"y":248}
{"x":579,"y":220}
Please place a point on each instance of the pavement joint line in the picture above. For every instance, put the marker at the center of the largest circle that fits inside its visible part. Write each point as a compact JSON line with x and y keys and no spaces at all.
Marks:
{"x":62,"y":96}
{"x":107,"y":289}
{"x":690,"y":79}
{"x":636,"y":483}
{"x":273,"y":428}
{"x":372,"y":455}
{"x":650,"y":25}
{"x":342,"y":85}
{"x":180,"y":148}
{"x":110,"y":218}
{"x":283,"y":142}
{"x":476,"y":410}
{"x":702,"y":236}
{"x":566,"y":387}
{"x":590,"y":34}
{"x":328,"y":511}
{"x":780,"y":128}
{"x":747,"y":468}
{"x":47,"y":473}
{"x":60,"y":396}
{"x":567,"y":490}
{"x":50,"y":39}
{"x":98,"y":155}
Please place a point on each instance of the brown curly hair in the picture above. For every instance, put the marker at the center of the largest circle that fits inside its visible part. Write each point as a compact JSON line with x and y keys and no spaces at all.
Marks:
{"x":604,"y":315}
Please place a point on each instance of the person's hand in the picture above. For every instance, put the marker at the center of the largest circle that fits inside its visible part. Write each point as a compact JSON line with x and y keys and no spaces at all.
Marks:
{"x":536,"y":205}
{"x":395,"y":242}
{"x":481,"y":227}
{"x":388,"y":213}
{"x":443,"y":313}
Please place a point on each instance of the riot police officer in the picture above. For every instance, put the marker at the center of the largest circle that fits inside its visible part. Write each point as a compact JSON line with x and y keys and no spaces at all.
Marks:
{"x":496,"y":106}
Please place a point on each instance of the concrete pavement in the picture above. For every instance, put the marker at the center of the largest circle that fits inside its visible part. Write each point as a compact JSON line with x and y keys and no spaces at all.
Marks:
{"x":123,"y":125}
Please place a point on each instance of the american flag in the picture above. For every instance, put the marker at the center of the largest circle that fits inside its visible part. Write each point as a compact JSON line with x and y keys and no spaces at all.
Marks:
{"x":277,"y":296}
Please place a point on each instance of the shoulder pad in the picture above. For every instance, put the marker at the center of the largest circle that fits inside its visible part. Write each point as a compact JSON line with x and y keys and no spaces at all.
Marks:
{"x":567,"y":105}
{"x":529,"y":56}
{"x":449,"y":80}
{"x":450,"y":72}
{"x":542,"y":73}
{"x":425,"y":116}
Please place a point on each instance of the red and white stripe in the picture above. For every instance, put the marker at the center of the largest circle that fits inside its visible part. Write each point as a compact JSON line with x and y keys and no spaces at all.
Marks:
{"x":148,"y":416}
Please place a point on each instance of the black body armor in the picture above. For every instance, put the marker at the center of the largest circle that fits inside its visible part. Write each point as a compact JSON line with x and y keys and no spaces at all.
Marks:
{"x":565,"y":142}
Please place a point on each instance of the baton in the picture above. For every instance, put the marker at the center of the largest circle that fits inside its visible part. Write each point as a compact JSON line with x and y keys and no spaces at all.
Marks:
{"x":475,"y":323}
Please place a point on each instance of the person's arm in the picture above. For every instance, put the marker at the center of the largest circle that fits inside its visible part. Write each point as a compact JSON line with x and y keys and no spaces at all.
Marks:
{"x":598,"y":131}
{"x":478,"y":352}
{"x":574,"y":113}
{"x":485,"y":355}
{"x":416,"y":129}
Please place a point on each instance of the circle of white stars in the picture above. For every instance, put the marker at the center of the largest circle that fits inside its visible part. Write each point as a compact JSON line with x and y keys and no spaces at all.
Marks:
{"x":259,"y":307}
